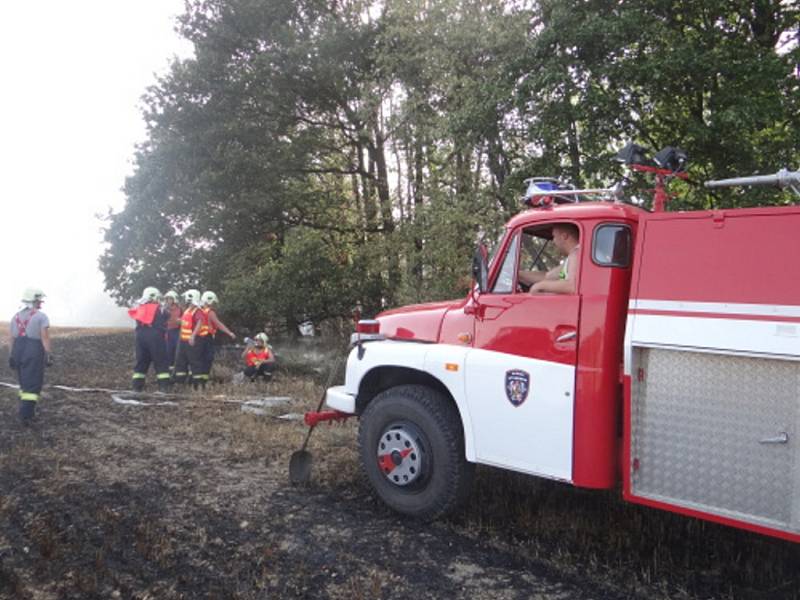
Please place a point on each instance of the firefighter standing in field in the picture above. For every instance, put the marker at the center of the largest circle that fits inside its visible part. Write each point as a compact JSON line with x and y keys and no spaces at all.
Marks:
{"x":174,"y":313}
{"x":191,"y":300}
{"x":151,"y":325}
{"x":201,"y":353}
{"x":30,"y":351}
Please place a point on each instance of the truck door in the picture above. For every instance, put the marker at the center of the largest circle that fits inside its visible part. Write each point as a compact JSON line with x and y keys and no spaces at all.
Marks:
{"x":520,"y":375}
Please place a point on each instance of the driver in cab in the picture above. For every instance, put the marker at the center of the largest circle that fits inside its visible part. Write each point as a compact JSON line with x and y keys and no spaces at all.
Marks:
{"x":560,"y":279}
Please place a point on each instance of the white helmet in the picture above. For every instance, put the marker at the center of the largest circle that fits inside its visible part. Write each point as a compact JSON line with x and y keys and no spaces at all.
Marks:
{"x":192,"y":297}
{"x":209,"y":298}
{"x":32,"y":295}
{"x":172,"y":294}
{"x":262,"y":339}
{"x":151,"y":294}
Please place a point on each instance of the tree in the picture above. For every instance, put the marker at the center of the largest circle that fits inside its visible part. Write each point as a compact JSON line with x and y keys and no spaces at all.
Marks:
{"x":313,"y":155}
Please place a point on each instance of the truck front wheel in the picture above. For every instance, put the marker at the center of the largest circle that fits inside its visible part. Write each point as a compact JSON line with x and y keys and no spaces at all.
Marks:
{"x":411,"y":445}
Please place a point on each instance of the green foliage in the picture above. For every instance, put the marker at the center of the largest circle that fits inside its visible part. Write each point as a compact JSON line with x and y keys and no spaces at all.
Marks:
{"x":313,"y":155}
{"x":705,"y":76}
{"x":308,"y":275}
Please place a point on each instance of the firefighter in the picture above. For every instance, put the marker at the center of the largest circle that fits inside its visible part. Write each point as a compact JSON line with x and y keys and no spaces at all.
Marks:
{"x":151,"y":325}
{"x":191,"y":300}
{"x":174,"y":313}
{"x":201,"y":354}
{"x":30,"y":351}
{"x":561,"y":279}
{"x":259,"y":358}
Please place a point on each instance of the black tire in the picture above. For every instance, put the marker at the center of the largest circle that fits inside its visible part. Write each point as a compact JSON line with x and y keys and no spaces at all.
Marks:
{"x":426,"y":422}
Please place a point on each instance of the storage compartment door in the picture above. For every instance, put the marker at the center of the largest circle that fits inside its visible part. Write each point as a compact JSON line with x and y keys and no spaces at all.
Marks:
{"x":717,"y":433}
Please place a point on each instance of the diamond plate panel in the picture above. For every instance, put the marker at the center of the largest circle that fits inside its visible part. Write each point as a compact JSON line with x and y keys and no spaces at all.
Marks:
{"x":697,"y":419}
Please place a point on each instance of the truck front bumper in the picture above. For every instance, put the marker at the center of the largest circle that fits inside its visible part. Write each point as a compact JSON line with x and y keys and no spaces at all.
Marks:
{"x":337,"y":398}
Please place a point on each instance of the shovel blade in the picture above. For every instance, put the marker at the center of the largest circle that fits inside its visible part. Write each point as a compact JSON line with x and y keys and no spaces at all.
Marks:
{"x":300,"y":467}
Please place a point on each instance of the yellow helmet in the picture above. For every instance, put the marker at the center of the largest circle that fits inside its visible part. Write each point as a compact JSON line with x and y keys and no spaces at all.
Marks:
{"x":209,"y":298}
{"x":192,"y":297}
{"x":32,"y":295}
{"x":151,"y":294}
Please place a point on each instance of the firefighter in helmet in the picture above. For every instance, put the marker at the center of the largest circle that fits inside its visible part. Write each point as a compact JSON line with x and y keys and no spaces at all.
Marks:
{"x":151,"y":325}
{"x":191,"y":314}
{"x":259,"y":358}
{"x":201,"y":354}
{"x":30,"y":351}
{"x":174,"y":313}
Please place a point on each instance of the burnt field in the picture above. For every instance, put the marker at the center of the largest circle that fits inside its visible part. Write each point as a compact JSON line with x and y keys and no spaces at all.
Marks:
{"x":191,"y":500}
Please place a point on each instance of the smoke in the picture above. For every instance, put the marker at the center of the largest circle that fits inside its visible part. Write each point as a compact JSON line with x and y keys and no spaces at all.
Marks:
{"x":68,"y":148}
{"x":74,"y":298}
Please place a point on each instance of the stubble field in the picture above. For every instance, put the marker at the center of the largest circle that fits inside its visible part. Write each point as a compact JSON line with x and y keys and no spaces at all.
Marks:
{"x":191,"y":499}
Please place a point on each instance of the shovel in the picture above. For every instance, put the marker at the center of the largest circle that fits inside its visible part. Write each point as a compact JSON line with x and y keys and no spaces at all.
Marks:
{"x":300,"y":462}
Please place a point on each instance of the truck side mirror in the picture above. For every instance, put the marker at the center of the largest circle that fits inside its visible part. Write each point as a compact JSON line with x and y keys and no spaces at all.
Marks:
{"x":480,"y":268}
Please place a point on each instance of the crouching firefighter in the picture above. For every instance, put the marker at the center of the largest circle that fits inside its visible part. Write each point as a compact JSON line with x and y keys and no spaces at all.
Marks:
{"x":259,"y":358}
{"x":30,"y":351}
{"x":191,"y":300}
{"x":201,"y":353}
{"x":151,"y":326}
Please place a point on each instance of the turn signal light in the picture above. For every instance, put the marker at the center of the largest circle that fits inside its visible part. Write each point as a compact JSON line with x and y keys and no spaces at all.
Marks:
{"x":368,"y":326}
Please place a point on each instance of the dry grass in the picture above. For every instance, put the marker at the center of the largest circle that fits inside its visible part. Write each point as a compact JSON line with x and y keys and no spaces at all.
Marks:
{"x":207,"y":454}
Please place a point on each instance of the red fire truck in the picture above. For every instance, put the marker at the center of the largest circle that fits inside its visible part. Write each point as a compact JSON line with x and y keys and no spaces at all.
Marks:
{"x":673,"y":368}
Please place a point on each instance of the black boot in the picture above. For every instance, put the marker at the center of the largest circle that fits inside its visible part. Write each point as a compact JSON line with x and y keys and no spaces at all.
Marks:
{"x":27,"y":411}
{"x":137,"y":385}
{"x":164,"y":385}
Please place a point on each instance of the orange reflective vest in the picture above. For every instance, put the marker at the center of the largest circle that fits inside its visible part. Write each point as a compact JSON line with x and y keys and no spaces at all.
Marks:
{"x":254,"y":357}
{"x":187,"y":323}
{"x":207,"y":328}
{"x":144,"y":313}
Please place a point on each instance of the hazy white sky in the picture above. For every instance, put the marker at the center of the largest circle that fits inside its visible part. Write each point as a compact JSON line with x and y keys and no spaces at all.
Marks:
{"x":72,"y":75}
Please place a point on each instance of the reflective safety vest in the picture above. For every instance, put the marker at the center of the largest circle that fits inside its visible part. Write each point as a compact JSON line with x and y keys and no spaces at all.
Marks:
{"x":564,"y":265}
{"x":254,"y":357}
{"x":207,"y":328}
{"x":187,"y":323}
{"x":144,"y":313}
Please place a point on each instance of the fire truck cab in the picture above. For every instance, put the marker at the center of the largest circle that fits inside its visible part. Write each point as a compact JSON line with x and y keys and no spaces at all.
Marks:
{"x":673,"y":369}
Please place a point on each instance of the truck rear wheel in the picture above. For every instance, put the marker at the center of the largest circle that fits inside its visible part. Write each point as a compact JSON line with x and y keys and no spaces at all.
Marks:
{"x":411,"y":445}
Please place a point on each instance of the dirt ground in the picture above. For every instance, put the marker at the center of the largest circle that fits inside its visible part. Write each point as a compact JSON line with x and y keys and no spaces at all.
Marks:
{"x":191,"y":500}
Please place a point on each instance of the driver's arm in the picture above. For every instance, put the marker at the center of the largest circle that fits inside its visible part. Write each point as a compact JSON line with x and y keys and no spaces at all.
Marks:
{"x":555,"y":285}
{"x":560,"y":286}
{"x":530,"y":277}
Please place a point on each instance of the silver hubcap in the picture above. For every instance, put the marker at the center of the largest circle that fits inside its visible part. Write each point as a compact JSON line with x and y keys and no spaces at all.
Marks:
{"x":399,"y":456}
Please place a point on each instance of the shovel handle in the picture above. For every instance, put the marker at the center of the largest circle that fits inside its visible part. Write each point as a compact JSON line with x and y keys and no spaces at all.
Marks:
{"x":308,"y":437}
{"x":311,"y":426}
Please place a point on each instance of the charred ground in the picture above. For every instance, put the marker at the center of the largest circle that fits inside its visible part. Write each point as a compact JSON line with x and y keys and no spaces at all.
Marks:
{"x":100,"y":499}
